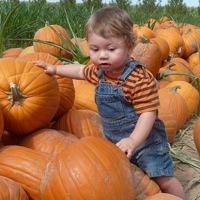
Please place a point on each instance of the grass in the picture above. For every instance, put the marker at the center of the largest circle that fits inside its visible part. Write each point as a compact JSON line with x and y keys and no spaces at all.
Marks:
{"x":30,"y":16}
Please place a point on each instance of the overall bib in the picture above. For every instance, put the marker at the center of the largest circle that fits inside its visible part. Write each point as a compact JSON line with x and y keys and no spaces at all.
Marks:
{"x":119,"y":119}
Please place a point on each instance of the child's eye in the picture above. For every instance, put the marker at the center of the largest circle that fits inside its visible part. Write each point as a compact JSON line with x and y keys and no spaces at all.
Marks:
{"x":94,"y":49}
{"x":111,"y":49}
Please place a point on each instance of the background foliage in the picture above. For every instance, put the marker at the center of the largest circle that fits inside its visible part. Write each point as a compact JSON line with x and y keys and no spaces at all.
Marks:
{"x":32,"y":15}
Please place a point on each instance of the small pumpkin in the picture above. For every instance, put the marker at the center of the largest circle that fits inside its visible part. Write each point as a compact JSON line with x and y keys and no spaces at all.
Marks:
{"x":29,"y":97}
{"x":10,"y":190}
{"x":55,"y":34}
{"x":1,"y":123}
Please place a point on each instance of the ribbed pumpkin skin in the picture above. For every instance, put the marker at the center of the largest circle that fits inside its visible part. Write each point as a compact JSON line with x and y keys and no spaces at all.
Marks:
{"x":25,"y":166}
{"x":1,"y":123}
{"x":81,"y":123}
{"x":11,"y":190}
{"x":92,"y":168}
{"x":169,"y":98}
{"x":66,"y":86}
{"x":39,"y":96}
{"x":12,"y":52}
{"x":52,"y":33}
{"x":168,"y":118}
{"x":84,"y":95}
{"x":196,"y":134}
{"x":144,"y":186}
{"x":48,"y":140}
{"x":163,"y":196}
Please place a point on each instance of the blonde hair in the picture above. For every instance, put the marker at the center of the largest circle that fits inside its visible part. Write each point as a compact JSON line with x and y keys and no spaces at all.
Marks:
{"x":111,"y":22}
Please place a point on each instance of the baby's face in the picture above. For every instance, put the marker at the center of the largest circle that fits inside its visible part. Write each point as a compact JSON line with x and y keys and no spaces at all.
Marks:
{"x":109,"y":54}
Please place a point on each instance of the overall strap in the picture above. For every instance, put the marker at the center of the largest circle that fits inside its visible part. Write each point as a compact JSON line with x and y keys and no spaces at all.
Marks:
{"x":130,"y":66}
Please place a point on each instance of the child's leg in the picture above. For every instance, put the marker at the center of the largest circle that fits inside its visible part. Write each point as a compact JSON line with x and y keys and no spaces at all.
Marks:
{"x":169,"y":184}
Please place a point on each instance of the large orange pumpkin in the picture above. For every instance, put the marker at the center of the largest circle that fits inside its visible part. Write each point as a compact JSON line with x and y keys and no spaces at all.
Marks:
{"x":91,"y":168}
{"x":25,"y":166}
{"x":29,"y":97}
{"x":10,"y":190}
{"x":55,"y":34}
{"x":66,"y":86}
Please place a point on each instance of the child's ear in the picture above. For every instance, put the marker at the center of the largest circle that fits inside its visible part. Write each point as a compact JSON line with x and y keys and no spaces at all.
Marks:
{"x":130,"y":48}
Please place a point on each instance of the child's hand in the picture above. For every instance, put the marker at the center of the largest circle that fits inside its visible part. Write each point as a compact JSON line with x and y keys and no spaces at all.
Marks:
{"x":127,"y":145}
{"x":48,"y":68}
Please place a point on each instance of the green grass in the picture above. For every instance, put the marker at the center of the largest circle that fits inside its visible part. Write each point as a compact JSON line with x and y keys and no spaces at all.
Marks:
{"x":30,"y":16}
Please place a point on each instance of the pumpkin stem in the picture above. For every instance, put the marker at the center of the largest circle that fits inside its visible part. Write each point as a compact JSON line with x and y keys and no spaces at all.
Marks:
{"x":174,"y":88}
{"x":15,"y":96}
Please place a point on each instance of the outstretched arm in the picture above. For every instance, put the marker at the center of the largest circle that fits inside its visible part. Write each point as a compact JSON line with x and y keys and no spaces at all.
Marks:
{"x":139,"y":134}
{"x":74,"y":71}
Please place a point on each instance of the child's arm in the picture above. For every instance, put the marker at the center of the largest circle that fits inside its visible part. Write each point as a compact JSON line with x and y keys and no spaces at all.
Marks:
{"x":139,"y":134}
{"x":70,"y":70}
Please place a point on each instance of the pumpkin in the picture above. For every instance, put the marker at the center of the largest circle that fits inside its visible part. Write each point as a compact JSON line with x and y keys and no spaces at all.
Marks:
{"x":81,"y":123}
{"x":55,"y":34}
{"x":196,"y":134}
{"x":175,"y":70}
{"x":143,"y":31}
{"x":143,"y":184}
{"x":170,"y":99}
{"x":169,"y":121}
{"x":25,"y":166}
{"x":12,"y":52}
{"x":10,"y":190}
{"x":91,"y":168}
{"x":163,"y":196}
{"x":149,"y":54}
{"x":1,"y":123}
{"x":48,"y":140}
{"x":27,"y":50}
{"x":29,"y":97}
{"x":191,"y":42}
{"x":174,"y":39}
{"x":189,"y":93}
{"x":84,"y":95}
{"x":193,"y":59}
{"x":66,"y":86}
{"x":164,"y":47}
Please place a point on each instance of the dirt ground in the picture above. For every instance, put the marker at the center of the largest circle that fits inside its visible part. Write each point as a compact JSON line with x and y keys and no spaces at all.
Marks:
{"x":187,"y":160}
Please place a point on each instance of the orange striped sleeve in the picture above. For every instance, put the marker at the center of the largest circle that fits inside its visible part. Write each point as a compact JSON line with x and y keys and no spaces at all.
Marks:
{"x":90,"y":73}
{"x":141,"y":89}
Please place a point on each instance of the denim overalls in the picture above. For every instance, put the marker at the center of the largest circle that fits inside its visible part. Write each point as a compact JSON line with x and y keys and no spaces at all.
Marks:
{"x":119,"y":119}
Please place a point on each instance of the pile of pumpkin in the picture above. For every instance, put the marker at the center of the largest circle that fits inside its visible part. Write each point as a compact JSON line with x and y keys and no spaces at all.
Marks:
{"x":52,"y":144}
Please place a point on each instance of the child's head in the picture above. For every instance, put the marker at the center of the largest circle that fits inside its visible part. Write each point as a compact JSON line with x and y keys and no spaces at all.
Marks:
{"x":111,"y":22}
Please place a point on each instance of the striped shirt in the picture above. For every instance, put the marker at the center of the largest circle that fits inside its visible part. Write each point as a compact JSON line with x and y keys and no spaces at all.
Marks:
{"x":140,"y":87}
